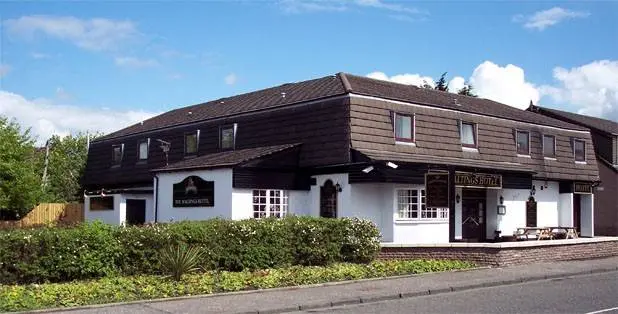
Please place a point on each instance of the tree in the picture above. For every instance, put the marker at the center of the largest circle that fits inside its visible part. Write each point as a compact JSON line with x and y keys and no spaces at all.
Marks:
{"x":66,"y":164}
{"x":426,"y":85}
{"x":441,"y":84}
{"x":467,"y":90}
{"x":20,"y":182}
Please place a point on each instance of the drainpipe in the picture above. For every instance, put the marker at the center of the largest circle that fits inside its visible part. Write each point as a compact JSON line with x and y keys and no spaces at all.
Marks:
{"x":156,"y":201}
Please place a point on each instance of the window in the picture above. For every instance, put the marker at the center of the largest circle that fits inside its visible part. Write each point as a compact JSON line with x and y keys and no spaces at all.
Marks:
{"x":102,"y":203}
{"x":549,"y":146}
{"x":270,"y":203}
{"x":404,"y":128}
{"x":523,"y":142}
{"x":226,"y":137}
{"x":411,"y":205}
{"x":579,"y":149}
{"x":467,"y":131}
{"x":117,"y":154}
{"x":142,"y":148}
{"x":191,"y":142}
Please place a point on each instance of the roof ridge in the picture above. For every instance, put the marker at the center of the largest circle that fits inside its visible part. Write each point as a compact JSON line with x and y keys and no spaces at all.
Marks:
{"x":345,"y":82}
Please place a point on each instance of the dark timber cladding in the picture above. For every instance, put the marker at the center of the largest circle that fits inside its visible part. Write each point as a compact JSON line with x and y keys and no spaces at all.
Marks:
{"x":437,"y":135}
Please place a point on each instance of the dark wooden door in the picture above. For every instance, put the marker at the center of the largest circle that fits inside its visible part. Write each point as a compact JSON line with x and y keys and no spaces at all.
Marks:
{"x":328,"y":200}
{"x":136,"y":212}
{"x":577,"y":212}
{"x":531,"y":212}
{"x":473,"y":214}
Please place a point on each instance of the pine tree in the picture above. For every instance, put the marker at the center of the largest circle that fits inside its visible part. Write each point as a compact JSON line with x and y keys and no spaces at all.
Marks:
{"x":441,"y":84}
{"x":467,"y":90}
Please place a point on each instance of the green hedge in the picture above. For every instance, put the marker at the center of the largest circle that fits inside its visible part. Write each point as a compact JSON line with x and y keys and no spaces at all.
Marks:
{"x":143,"y":287}
{"x":95,"y":250}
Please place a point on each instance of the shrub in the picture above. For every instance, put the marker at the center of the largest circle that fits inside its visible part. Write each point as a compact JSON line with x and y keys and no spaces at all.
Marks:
{"x":94,"y":250}
{"x":180,"y":259}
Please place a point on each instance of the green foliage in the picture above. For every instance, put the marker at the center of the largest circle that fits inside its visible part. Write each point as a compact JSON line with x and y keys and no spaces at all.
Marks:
{"x":120,"y":289}
{"x":96,"y":250}
{"x":467,"y":90}
{"x":442,"y":84}
{"x":180,"y":259}
{"x":20,"y":183}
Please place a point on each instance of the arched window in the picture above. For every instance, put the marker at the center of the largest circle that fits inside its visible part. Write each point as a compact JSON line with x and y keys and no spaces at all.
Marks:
{"x":328,"y":200}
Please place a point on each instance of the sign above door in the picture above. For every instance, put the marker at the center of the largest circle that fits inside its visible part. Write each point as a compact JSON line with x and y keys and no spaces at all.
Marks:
{"x":478,"y":180}
{"x":193,"y":191}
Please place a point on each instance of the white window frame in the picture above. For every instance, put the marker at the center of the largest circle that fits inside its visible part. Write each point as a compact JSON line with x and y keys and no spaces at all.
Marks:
{"x":543,"y":146}
{"x":526,"y":154}
{"x":401,"y":140}
{"x":117,"y":163}
{"x":197,"y":143}
{"x":273,"y":204}
{"x":422,"y":212}
{"x":233,"y":127}
{"x":475,"y":134}
{"x":574,"y":154}
{"x":139,"y":151}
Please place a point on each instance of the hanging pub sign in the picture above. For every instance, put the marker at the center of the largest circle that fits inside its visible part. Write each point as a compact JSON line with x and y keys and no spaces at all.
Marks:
{"x":582,"y":188}
{"x":193,"y":191}
{"x":478,"y":180}
{"x":436,"y":188}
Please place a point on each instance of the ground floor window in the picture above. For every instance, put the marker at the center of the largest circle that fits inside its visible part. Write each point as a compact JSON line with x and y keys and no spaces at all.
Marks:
{"x":270,"y":203}
{"x":411,"y":205}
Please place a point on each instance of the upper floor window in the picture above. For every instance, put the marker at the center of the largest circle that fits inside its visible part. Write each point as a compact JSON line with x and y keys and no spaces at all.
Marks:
{"x":411,"y":205}
{"x":142,"y":150}
{"x":467,"y":132}
{"x":270,"y":203}
{"x":227,"y":137}
{"x":191,"y":143}
{"x":579,"y":150}
{"x":523,"y":142}
{"x":404,"y":128}
{"x":117,"y":151}
{"x":549,"y":146}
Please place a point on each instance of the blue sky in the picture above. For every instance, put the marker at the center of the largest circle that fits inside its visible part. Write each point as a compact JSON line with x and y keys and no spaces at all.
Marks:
{"x":120,"y":62}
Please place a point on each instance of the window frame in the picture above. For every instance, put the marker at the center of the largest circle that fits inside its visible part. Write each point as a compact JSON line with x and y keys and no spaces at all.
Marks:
{"x":284,"y":203}
{"x":422,"y":212}
{"x":197,"y":143}
{"x":101,"y":209}
{"x":411,"y":140}
{"x":575,"y":150}
{"x":474,"y":134}
{"x":117,"y":163}
{"x":521,"y":153}
{"x":543,"y":146}
{"x":139,"y":155}
{"x":225,"y":127}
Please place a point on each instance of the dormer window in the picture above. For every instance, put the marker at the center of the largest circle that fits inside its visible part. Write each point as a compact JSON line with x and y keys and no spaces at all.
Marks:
{"x":404,"y":128}
{"x":227,"y":137}
{"x":549,"y":146}
{"x":142,"y":150}
{"x":117,"y":152}
{"x":467,"y":132}
{"x":191,"y":143}
{"x":523,"y":142}
{"x":579,"y":150}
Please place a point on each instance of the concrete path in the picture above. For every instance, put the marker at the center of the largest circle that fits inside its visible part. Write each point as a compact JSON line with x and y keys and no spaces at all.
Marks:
{"x":321,"y":296}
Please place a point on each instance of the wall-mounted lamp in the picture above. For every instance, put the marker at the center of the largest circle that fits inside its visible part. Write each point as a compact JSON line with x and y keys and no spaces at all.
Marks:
{"x":368,"y":169}
{"x":457,"y":198}
{"x":501,"y":210}
{"x":392,"y":165}
{"x":501,"y":200}
{"x":533,"y":191}
{"x":338,"y":187}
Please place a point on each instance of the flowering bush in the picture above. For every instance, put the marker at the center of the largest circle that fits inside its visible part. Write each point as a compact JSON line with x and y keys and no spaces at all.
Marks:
{"x":95,"y":250}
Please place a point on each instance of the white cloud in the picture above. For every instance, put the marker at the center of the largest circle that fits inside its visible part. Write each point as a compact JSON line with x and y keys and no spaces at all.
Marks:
{"x":4,"y":69}
{"x":231,"y":79}
{"x":308,"y":6}
{"x":543,"y":19}
{"x":46,"y":118}
{"x":38,"y":55}
{"x":175,"y":76}
{"x":506,"y":84}
{"x":92,"y":34}
{"x":403,"y":13}
{"x":456,"y":84}
{"x":591,"y":88}
{"x":407,"y":78}
{"x":379,"y":4}
{"x":131,"y":62}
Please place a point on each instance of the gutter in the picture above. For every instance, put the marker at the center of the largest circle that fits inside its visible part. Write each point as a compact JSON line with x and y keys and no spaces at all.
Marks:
{"x":156,"y":201}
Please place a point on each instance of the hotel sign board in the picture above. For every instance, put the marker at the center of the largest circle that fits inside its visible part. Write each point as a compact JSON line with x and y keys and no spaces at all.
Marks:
{"x":437,"y":188}
{"x":582,"y":188}
{"x":193,"y":191}
{"x":478,"y":180}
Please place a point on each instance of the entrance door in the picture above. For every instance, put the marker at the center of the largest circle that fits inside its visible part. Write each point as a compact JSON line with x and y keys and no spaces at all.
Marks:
{"x":577,"y":212}
{"x":473,"y":214}
{"x":136,"y":212}
{"x":328,"y":200}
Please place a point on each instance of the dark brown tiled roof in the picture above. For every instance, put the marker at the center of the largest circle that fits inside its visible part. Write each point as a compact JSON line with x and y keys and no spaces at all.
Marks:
{"x":381,"y":155}
{"x":409,"y":93}
{"x":587,"y":121}
{"x":226,"y":159}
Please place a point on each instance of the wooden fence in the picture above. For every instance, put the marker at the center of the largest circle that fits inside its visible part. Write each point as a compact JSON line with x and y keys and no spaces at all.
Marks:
{"x":48,"y":213}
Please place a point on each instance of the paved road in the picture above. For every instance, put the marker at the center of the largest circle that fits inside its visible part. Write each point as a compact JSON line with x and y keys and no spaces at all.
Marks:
{"x":579,"y":294}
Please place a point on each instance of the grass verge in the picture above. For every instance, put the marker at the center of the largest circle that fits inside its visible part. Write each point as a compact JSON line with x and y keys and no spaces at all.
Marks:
{"x":122,"y":289}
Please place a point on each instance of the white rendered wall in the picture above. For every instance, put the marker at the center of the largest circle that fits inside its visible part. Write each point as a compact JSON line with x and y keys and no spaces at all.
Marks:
{"x":149,"y":198}
{"x":515,"y":202}
{"x":298,"y":203}
{"x":242,"y":204}
{"x":565,"y":209}
{"x":547,"y":199}
{"x":407,"y":231}
{"x":491,"y":211}
{"x":587,"y":215}
{"x":343,"y":197}
{"x":112,"y":216}
{"x":223,"y":196}
{"x":458,"y":219}
{"x":367,"y":201}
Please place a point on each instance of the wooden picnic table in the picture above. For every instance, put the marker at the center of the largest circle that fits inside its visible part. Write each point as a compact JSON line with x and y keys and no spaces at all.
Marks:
{"x":547,"y":232}
{"x":570,"y":232}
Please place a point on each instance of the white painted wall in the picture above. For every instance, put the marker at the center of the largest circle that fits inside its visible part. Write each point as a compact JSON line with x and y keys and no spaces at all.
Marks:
{"x":515,"y":202}
{"x":368,"y":202}
{"x":223,"y":196}
{"x":458,"y":213}
{"x":565,"y":209}
{"x":343,"y":198}
{"x":587,"y":215}
{"x":242,"y":204}
{"x":547,"y":197}
{"x":112,"y":216}
{"x":491,"y":211}
{"x":149,"y":198}
{"x":298,"y":202}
